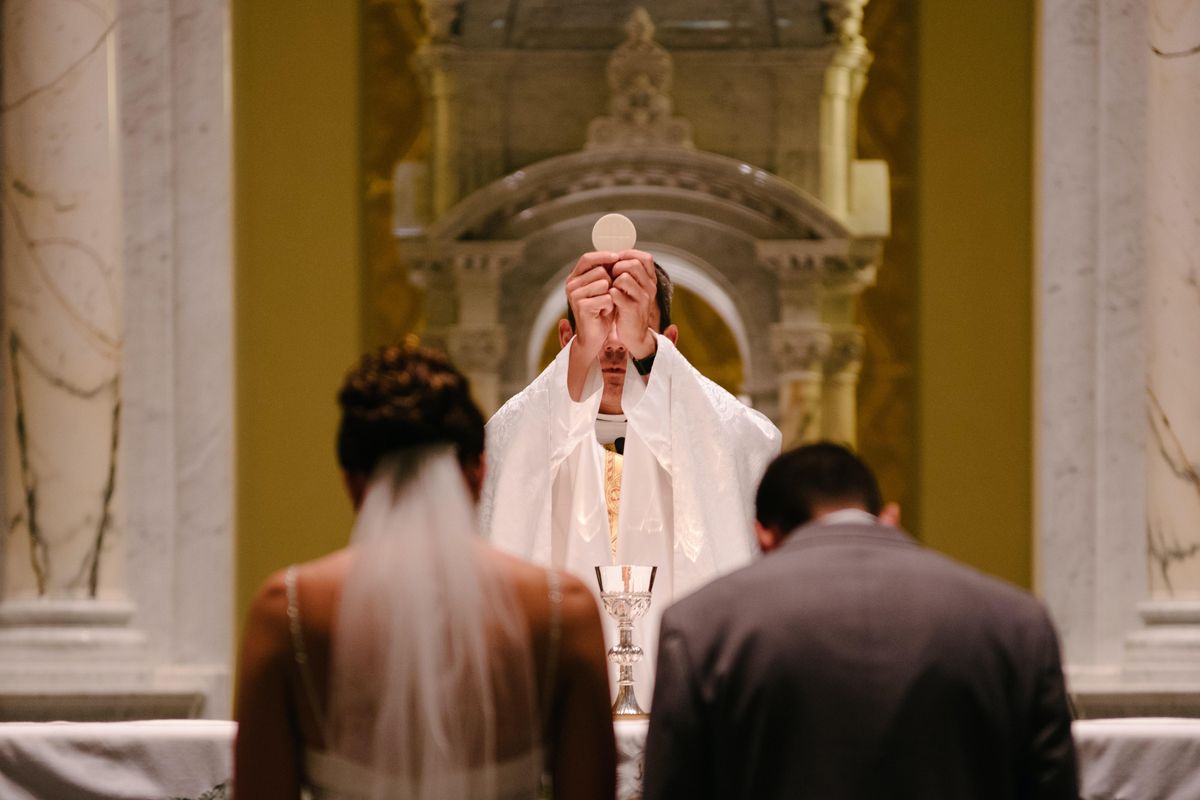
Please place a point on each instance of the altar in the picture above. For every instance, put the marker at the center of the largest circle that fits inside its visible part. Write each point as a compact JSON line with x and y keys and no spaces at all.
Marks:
{"x":1119,"y":759}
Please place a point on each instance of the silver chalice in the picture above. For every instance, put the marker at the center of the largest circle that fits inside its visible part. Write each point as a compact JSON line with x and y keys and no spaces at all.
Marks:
{"x":625,"y":590}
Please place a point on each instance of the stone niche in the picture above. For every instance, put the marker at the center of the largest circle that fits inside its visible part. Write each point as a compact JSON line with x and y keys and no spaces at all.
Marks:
{"x":723,"y":130}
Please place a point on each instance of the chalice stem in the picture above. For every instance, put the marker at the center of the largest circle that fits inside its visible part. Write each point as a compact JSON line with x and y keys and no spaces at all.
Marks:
{"x":626,"y":705}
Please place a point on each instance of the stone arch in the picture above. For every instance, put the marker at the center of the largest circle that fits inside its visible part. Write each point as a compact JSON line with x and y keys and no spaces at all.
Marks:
{"x":769,"y":257}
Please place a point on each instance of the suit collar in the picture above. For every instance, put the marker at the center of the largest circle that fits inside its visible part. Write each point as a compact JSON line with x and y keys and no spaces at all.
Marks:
{"x":819,"y":532}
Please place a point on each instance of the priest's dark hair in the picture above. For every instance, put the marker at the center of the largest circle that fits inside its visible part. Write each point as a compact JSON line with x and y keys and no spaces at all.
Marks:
{"x":820,"y":474}
{"x":662,"y":298}
{"x":404,"y":396}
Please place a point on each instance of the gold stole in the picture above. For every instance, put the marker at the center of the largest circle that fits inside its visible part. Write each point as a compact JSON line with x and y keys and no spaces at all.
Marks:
{"x":612,"y":493}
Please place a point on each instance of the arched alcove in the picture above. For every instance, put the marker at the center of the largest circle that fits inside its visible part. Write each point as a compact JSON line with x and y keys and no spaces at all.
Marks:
{"x":776,"y":266}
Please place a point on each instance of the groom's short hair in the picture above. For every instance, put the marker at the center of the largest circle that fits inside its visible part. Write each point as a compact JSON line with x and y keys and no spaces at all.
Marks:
{"x":820,"y":474}
{"x":664,"y":291}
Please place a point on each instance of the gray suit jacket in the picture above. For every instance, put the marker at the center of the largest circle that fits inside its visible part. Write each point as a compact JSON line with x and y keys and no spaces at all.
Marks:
{"x":854,"y":663}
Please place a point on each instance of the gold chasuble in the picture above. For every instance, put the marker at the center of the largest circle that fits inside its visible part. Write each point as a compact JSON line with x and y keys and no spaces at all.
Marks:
{"x":612,"y":493}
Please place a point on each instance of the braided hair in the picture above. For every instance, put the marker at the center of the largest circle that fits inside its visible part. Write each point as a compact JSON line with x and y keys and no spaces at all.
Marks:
{"x":401,"y":397}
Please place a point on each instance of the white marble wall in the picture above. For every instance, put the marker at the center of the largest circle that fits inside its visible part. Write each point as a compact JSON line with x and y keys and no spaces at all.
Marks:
{"x":165,"y":217}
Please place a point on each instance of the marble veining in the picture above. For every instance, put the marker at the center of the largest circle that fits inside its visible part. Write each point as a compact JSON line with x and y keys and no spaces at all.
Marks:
{"x":63,"y":303}
{"x":40,"y":548}
{"x":1163,"y":546}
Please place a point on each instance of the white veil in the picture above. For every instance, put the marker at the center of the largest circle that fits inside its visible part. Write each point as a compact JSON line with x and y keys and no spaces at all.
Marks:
{"x":432,"y":682}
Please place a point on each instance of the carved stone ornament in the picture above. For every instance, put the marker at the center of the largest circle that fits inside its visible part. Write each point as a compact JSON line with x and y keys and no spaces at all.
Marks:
{"x":440,"y":17}
{"x":845,"y":17}
{"x":800,"y":348}
{"x":478,"y":348}
{"x":845,"y":352}
{"x":639,"y":77}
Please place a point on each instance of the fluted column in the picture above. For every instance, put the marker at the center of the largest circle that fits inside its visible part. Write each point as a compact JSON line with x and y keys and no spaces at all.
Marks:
{"x":63,"y":328}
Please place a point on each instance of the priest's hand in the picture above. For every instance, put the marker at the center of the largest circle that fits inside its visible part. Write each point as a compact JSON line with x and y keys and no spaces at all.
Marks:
{"x":633,"y":292}
{"x":588,"y":288}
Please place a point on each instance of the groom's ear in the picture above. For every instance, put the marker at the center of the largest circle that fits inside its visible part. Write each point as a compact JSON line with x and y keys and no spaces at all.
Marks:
{"x":564,"y":333}
{"x":768,"y":537}
{"x":672,"y":333}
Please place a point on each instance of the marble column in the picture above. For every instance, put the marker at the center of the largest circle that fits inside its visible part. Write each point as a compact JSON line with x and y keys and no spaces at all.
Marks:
{"x":63,"y":331}
{"x":1170,"y":645}
{"x":116,"y":600}
{"x":1173,"y":302}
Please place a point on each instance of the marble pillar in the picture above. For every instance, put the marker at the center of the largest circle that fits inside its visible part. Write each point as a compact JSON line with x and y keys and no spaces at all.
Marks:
{"x":1169,"y":648}
{"x":1173,"y":302}
{"x":63,"y":322}
{"x":1113,"y":511}
{"x":117,"y":597}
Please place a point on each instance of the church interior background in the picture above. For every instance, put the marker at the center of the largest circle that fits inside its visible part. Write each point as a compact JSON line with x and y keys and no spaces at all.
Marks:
{"x":895,"y":223}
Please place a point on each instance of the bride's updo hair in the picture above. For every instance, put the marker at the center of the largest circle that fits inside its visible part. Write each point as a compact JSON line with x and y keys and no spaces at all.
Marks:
{"x":402,"y":397}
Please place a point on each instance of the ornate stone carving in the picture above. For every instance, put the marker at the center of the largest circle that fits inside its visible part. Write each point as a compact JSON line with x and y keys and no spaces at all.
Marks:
{"x":441,"y":18}
{"x":828,"y":261}
{"x":845,"y":352}
{"x":800,"y":347}
{"x":478,"y":348}
{"x":845,"y":17}
{"x":639,"y":77}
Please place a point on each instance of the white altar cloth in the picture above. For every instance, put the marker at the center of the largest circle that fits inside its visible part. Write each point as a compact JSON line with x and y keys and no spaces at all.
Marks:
{"x":1119,"y":759}
{"x":164,"y":759}
{"x":1138,"y":758}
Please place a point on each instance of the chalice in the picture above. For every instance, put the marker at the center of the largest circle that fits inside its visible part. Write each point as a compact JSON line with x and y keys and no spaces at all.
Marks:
{"x":625,"y":590}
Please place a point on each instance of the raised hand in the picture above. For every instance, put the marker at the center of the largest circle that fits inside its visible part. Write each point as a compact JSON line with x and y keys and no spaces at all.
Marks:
{"x":588,"y":288}
{"x":633,"y":292}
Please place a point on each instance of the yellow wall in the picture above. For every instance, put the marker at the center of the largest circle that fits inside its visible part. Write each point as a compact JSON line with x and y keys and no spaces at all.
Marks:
{"x":297,"y":213}
{"x":974,"y":243}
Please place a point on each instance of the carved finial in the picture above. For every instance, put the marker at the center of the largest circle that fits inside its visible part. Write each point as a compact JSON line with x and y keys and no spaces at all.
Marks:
{"x":639,"y":26}
{"x":845,"y":17}
{"x":440,"y":17}
{"x":639,"y":77}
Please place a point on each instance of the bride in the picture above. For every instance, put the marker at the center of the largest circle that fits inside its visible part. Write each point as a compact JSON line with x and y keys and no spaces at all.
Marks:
{"x":418,"y":662}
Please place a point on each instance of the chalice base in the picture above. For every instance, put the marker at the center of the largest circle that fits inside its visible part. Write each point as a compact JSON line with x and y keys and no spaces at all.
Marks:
{"x":626,"y":705}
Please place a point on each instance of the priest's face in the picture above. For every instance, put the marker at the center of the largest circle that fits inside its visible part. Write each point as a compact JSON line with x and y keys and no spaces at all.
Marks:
{"x":613,"y":362}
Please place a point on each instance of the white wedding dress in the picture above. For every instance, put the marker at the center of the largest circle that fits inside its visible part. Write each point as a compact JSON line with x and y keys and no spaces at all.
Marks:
{"x":432,"y":692}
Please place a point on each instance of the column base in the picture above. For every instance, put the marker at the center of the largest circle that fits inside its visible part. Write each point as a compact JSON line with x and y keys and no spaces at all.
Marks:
{"x":78,"y":661}
{"x":1160,"y":675}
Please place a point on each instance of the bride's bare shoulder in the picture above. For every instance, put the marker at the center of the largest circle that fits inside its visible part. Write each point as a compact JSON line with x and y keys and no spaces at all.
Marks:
{"x":533,"y":584}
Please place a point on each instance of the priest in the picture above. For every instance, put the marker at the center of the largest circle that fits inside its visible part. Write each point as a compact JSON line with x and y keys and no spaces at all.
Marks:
{"x":621,"y":451}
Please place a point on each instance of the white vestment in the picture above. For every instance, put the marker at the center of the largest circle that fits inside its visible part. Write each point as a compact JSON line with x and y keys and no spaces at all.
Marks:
{"x":692,"y":460}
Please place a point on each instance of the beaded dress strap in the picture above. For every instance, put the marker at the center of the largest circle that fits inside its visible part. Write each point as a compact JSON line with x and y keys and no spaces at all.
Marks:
{"x":298,"y":649}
